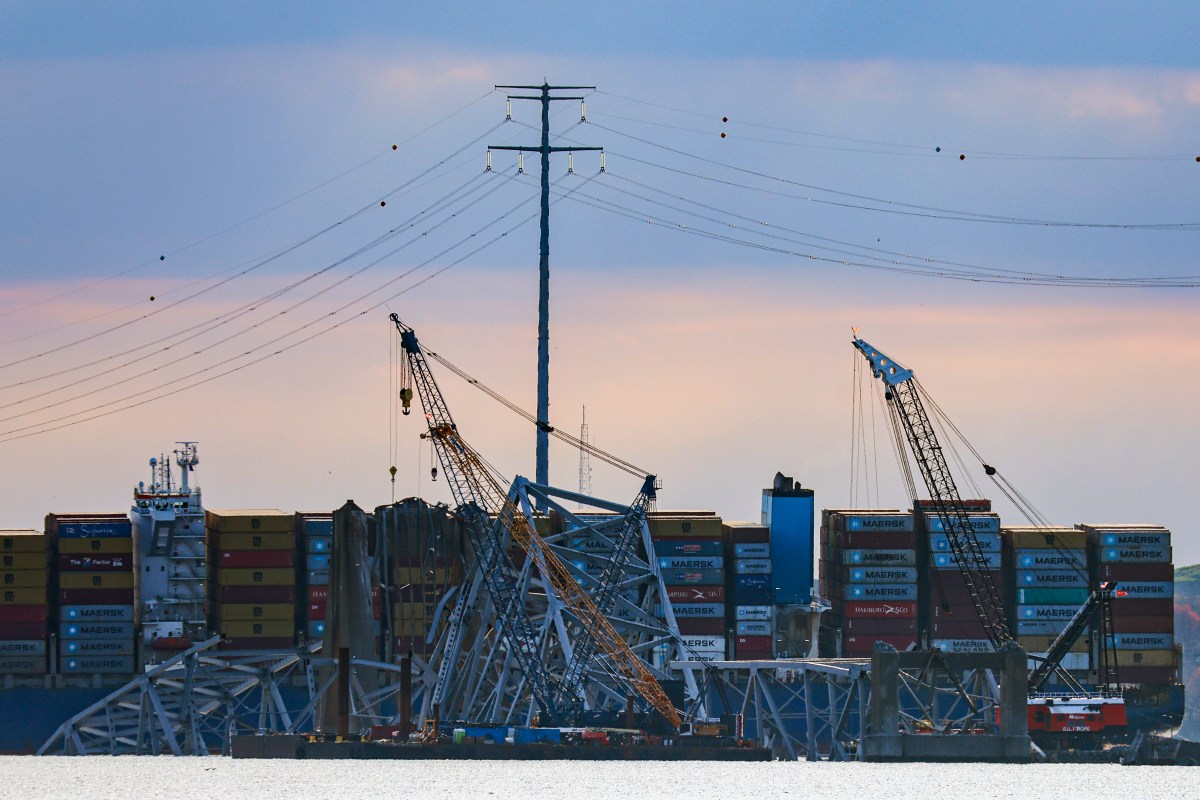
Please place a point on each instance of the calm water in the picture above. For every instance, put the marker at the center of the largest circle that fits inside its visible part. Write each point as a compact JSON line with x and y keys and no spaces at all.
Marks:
{"x":142,"y":778}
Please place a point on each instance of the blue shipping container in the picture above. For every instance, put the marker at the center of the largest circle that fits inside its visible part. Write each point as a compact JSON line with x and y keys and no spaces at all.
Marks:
{"x":883,"y":574}
{"x":979,"y":523}
{"x":97,"y":613}
{"x":318,"y":562}
{"x":1136,"y":555}
{"x":109,"y":529}
{"x":1046,"y":613}
{"x":1050,"y":559}
{"x":881,"y":591}
{"x":693,"y":577}
{"x":103,"y":665}
{"x":1138,"y":539}
{"x":988,"y":542}
{"x":1052,"y":579}
{"x":686,"y":547}
{"x":946,"y":561}
{"x":692,"y":562}
{"x":96,"y":630}
{"x":319,"y":544}
{"x":756,"y":550}
{"x":759,"y":581}
{"x":96,"y":647}
{"x":881,"y":558}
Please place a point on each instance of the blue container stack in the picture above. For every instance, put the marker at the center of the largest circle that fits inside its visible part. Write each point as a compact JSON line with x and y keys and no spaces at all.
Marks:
{"x":748,"y":548}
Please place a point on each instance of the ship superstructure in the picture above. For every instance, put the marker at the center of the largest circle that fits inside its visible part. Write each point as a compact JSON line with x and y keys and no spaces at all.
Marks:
{"x":168,"y":518}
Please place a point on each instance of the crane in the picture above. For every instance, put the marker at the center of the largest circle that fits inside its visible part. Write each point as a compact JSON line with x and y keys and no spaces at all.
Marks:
{"x":905,"y":401}
{"x":478,"y":493}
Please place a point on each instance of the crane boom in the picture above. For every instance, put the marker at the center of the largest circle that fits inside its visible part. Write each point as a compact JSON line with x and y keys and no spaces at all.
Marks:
{"x":902,"y":394}
{"x":477,"y":492}
{"x":1098,"y":600}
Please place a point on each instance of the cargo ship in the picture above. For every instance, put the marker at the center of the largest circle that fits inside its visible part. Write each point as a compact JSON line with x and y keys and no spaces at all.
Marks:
{"x":94,"y":599}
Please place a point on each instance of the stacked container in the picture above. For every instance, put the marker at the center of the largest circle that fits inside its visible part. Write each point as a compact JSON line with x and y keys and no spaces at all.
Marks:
{"x":1138,"y":558}
{"x":427,"y":548}
{"x":951,"y":619}
{"x":252,"y":576}
{"x":315,"y":534}
{"x":96,"y":589}
{"x":1050,"y":582}
{"x":689,"y":554}
{"x":748,"y":552}
{"x":24,"y":558}
{"x":868,"y":572}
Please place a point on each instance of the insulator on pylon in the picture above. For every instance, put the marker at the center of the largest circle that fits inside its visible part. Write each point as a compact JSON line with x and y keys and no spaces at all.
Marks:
{"x":583,"y":111}
{"x":520,"y":163}
{"x":508,"y":109}
{"x":489,"y":161}
{"x":602,"y":161}
{"x":570,"y":163}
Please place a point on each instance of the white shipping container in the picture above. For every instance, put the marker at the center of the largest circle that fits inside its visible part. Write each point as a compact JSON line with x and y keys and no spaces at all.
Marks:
{"x":753,"y":613}
{"x":703,"y":642}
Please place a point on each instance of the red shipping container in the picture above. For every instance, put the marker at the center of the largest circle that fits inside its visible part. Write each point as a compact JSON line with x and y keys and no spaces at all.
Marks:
{"x":958,"y":612}
{"x":1150,"y":573}
{"x":256,"y":594}
{"x":317,"y":608}
{"x":100,"y":562}
{"x":754,"y":642}
{"x":316,"y":611}
{"x":22,"y":614}
{"x":743,"y":654}
{"x":701,"y":627}
{"x":95,"y":597}
{"x":1158,"y":607}
{"x":1155,"y":624}
{"x":1146,"y":674}
{"x":10,"y":631}
{"x":862,"y":645}
{"x":958,"y":629}
{"x":876,"y":540}
{"x":250,"y":559}
{"x":874,"y":626}
{"x":864,"y":608}
{"x":264,"y":643}
{"x":696,"y":594}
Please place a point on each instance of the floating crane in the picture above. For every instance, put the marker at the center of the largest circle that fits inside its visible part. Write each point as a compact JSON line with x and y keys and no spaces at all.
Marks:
{"x":477,"y":491}
{"x":904,"y":400}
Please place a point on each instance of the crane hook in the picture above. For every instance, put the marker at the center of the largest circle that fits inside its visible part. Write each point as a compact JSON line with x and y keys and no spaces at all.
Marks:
{"x":433,"y":473}
{"x":406,"y":395}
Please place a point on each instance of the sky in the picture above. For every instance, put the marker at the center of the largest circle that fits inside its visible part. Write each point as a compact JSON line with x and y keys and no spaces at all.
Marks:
{"x":196,"y":188}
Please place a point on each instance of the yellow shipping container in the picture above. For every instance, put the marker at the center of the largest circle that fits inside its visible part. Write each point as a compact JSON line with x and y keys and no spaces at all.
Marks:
{"x":24,"y":578}
{"x":1046,"y":538}
{"x":1041,"y":644}
{"x":251,"y":541}
{"x":22,"y":560}
{"x":78,"y":546}
{"x":699,"y":526}
{"x":423,"y":611}
{"x":256,"y":577}
{"x":243,"y":629}
{"x":274,"y":612}
{"x":23,"y":597}
{"x":1145,"y":658}
{"x":95,"y":580}
{"x":250,"y":520}
{"x":23,"y":542}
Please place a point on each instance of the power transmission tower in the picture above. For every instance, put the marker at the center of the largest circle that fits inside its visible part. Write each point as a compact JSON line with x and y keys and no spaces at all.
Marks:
{"x":543,"y":389}
{"x":585,"y":462}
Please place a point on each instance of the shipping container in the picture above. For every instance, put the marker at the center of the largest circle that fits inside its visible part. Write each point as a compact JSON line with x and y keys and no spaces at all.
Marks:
{"x":752,"y":566}
{"x":1046,"y":538}
{"x":690,"y":577}
{"x":1077,"y":662}
{"x":946,"y":561}
{"x":758,"y":643}
{"x":1142,"y":641}
{"x":962,"y":645}
{"x":95,"y":562}
{"x":256,"y":577}
{"x":22,"y":647}
{"x":704,"y":643}
{"x":881,"y":558}
{"x":878,"y":523}
{"x":700,"y":525}
{"x":1135,"y":572}
{"x":25,"y":578}
{"x":23,"y":630}
{"x":673,"y":547}
{"x":694,"y":563}
{"x":1134,"y":607}
{"x":250,"y":520}
{"x":96,"y":630}
{"x":752,"y":550}
{"x":95,"y":580}
{"x":256,"y":594}
{"x":1139,"y":539}
{"x":315,"y":525}
{"x":862,"y":645}
{"x":10,"y":561}
{"x":881,"y":575}
{"x":318,"y":544}
{"x":701,"y":627}
{"x":1040,"y":627}
{"x":100,"y":665}
{"x":752,"y":627}
{"x":746,"y":533}
{"x":252,"y":559}
{"x":752,"y":613}
{"x":94,"y":546}
{"x":253,"y":541}
{"x":227,"y":612}
{"x":753,"y":597}
{"x":23,"y":614}
{"x":699,"y":610}
{"x":23,"y":597}
{"x":1144,"y":590}
{"x":95,"y":597}
{"x":23,"y":541}
{"x":875,"y":540}
{"x":1046,"y":613}
{"x":879,"y":626}
{"x":317,"y":562}
{"x":896,"y":610}
{"x":106,"y":529}
{"x":1064,"y":597}
{"x":1050,"y":559}
{"x":1134,"y":555}
{"x":1145,"y":658}
{"x":1147,"y":675}
{"x":1041,"y":644}
{"x":96,"y":647}
{"x":696,"y":594}
{"x":240,"y":629}
{"x":988,"y":542}
{"x":22,"y":665}
{"x":258,"y":643}
{"x":963,"y":627}
{"x":1052,"y":579}
{"x":880,"y":591}
{"x":96,"y":613}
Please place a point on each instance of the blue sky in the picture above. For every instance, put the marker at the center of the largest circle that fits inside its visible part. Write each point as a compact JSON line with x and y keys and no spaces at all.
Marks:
{"x":216,"y":134}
